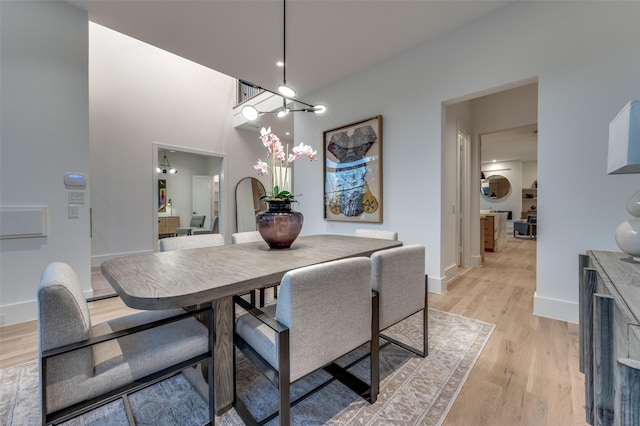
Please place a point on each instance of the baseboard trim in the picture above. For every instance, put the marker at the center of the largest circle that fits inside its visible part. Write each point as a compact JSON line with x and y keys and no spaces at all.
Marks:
{"x":19,"y":312}
{"x":437,"y":285}
{"x":25,"y":311}
{"x":476,"y":261}
{"x":451,"y":272}
{"x":562,"y":310}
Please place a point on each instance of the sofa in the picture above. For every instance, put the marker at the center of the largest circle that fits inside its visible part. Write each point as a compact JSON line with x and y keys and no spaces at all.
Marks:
{"x":526,"y":227}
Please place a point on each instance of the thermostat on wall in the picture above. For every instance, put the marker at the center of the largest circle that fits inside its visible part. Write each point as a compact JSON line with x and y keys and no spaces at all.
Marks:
{"x":75,"y":181}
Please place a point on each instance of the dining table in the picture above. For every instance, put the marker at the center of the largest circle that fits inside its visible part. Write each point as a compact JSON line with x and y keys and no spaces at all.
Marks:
{"x":191,"y":277}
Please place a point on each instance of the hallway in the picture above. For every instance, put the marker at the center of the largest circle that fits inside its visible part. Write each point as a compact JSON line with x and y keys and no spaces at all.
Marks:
{"x":528,"y":372}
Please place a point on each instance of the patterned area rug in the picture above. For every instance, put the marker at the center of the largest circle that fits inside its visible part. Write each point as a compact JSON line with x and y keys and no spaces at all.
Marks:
{"x":413,"y":391}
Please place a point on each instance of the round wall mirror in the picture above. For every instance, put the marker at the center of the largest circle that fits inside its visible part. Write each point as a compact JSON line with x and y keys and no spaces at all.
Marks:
{"x":495,"y":187}
{"x":248,"y":203}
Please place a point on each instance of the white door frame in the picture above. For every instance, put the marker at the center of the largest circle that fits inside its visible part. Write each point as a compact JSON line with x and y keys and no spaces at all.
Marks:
{"x":463,"y":197}
{"x":222,"y":214}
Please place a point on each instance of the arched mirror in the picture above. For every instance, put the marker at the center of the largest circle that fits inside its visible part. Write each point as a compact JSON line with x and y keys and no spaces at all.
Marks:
{"x":495,"y":187}
{"x":248,"y":203}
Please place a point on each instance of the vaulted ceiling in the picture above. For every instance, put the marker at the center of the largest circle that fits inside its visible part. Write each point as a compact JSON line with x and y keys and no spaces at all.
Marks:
{"x":327,"y":40}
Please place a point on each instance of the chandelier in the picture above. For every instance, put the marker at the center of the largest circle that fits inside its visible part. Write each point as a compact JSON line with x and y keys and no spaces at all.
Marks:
{"x":164,"y":166}
{"x":250,"y":112}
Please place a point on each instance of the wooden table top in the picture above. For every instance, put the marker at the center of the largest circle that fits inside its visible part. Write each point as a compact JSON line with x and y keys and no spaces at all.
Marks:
{"x":622,"y":275}
{"x":188,"y":277}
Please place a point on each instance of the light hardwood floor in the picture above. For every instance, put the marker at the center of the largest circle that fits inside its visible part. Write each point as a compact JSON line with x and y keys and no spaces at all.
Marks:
{"x":526,"y":375}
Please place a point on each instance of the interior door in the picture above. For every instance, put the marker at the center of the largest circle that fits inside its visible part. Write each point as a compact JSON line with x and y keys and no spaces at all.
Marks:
{"x":463,"y":237}
{"x":201,"y":197}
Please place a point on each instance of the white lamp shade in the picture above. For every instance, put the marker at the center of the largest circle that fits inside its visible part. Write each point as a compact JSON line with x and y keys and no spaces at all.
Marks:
{"x":286,"y":91}
{"x":249,"y":112}
{"x":624,"y":140}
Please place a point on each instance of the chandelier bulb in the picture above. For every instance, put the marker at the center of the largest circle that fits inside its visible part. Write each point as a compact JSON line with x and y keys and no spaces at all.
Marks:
{"x":282,"y":112}
{"x":249,"y":112}
{"x":286,"y":91}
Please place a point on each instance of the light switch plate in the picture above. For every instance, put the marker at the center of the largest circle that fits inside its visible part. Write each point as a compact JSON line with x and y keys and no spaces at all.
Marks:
{"x":75,"y":197}
{"x":74,"y":212}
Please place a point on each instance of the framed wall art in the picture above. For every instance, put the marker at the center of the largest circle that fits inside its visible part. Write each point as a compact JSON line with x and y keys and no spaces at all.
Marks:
{"x":353,"y":172}
{"x":162,"y":195}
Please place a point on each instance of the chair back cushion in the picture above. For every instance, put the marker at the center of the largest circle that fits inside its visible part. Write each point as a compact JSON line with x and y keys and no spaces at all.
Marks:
{"x":398,"y":276}
{"x":63,"y":318}
{"x":197,"y":221}
{"x":246,"y":237}
{"x":189,"y":242}
{"x":382,"y":234}
{"x":63,"y":312}
{"x":327,"y":308}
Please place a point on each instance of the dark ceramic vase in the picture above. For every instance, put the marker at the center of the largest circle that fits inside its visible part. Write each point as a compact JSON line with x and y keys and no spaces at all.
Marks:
{"x":279,"y":226}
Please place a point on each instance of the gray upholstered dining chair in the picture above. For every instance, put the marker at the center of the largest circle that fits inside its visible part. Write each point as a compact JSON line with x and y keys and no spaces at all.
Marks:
{"x":398,"y":275}
{"x":382,"y":234}
{"x":210,"y":230}
{"x":195,"y":223}
{"x":84,"y":365}
{"x":252,"y":237}
{"x":323,"y":312}
{"x":194,"y":241}
{"x":246,"y":237}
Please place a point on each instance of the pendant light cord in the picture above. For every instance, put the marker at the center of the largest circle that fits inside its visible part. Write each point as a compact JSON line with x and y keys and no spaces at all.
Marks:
{"x":250,"y":112}
{"x":284,"y":42}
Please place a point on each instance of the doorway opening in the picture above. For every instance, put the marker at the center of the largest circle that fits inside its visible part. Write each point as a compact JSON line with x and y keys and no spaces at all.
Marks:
{"x":497,"y":123}
{"x":196,"y":189}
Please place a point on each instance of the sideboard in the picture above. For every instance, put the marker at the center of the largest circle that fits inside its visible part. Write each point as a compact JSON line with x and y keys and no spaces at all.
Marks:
{"x":167,"y":225}
{"x":609,"y":318}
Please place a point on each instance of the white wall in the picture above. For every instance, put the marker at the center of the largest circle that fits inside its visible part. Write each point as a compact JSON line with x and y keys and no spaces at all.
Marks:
{"x":506,"y":109}
{"x":529,"y":173}
{"x":141,"y":96}
{"x":587,"y":60}
{"x":44,"y":135}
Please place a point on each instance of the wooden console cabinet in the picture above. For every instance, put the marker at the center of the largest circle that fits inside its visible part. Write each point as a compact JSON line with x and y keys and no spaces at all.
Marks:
{"x":167,"y":225}
{"x":609,"y":288}
{"x":495,"y":231}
